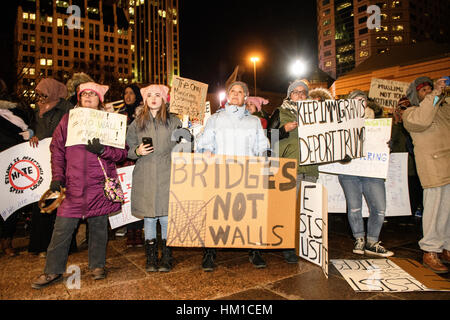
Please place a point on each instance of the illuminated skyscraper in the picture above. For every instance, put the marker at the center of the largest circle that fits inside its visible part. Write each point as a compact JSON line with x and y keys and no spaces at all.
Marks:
{"x":155,"y":40}
{"x":345,"y":40}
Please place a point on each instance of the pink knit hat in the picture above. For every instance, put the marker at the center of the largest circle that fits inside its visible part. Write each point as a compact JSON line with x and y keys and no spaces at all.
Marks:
{"x":257,"y":101}
{"x":99,"y":89}
{"x":156,"y":88}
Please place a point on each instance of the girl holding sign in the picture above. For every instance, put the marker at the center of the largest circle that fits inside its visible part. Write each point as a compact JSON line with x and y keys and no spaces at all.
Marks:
{"x":149,"y":138}
{"x":78,"y":168}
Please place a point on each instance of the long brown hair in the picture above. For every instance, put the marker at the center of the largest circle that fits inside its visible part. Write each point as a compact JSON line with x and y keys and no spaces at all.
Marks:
{"x":143,"y":117}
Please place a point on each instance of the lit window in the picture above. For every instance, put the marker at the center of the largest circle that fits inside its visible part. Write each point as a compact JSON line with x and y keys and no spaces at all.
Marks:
{"x":326,"y":22}
{"x":31,"y":71}
{"x":363,"y":54}
{"x":397,"y":16}
{"x":25,"y":15}
{"x":327,"y":32}
{"x":328,"y":64}
{"x":398,"y":38}
{"x":397,"y":28}
{"x":363,"y":43}
{"x":32,"y":16}
{"x":59,"y":22}
{"x":43,"y":62}
{"x":49,"y":62}
{"x":396,"y":4}
{"x":49,"y":19}
{"x":343,"y":6}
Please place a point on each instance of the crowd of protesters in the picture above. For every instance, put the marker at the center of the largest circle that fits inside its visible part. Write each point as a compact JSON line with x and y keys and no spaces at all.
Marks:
{"x":421,"y":127}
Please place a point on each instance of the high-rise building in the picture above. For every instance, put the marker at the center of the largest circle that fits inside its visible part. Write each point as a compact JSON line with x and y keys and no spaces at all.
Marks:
{"x":51,"y":42}
{"x":345,"y":39}
{"x":155,"y":40}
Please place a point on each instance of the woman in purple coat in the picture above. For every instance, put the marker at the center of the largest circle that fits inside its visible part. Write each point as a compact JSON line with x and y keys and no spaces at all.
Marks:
{"x":77,"y":168}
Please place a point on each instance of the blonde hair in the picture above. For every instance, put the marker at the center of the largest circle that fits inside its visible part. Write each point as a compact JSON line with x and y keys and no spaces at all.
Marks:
{"x":144,"y":116}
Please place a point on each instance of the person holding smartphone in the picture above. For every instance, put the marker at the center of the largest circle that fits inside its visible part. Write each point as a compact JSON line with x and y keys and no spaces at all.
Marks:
{"x":149,"y":138}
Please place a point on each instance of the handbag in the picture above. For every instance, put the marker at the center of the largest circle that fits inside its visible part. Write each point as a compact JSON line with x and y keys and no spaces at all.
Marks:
{"x":112,"y":188}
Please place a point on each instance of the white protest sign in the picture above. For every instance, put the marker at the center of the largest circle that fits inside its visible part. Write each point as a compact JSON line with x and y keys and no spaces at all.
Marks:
{"x":313,"y":241}
{"x":188,"y":97}
{"x":124,"y":217}
{"x":387,"y":92}
{"x":329,"y":130}
{"x":86,"y":124}
{"x":207,"y":112}
{"x":380,"y":275}
{"x":397,"y":194}
{"x":376,"y":162}
{"x":27,"y":175}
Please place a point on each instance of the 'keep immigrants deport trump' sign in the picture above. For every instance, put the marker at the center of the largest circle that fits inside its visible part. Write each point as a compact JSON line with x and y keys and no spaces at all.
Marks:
{"x":329,"y":130}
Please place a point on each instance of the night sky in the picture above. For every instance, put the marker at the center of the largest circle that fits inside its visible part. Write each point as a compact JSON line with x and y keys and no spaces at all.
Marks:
{"x":215,"y":36}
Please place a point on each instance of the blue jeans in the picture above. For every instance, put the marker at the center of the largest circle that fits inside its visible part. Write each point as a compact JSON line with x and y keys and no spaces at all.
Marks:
{"x":150,"y":227}
{"x":374,"y":191}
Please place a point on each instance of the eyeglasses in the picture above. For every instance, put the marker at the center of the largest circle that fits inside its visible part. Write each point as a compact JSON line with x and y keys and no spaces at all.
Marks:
{"x":88,"y":94}
{"x":299,"y":93}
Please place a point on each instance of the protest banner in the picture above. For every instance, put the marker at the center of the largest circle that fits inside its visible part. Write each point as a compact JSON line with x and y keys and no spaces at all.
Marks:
{"x":376,"y":162}
{"x":313,"y":240}
{"x":329,"y":130}
{"x":27,"y":175}
{"x":397,"y":194}
{"x":387,"y":92}
{"x":232,"y":202}
{"x":124,"y":217}
{"x":379,"y":275}
{"x":86,"y":124}
{"x":188,"y":97}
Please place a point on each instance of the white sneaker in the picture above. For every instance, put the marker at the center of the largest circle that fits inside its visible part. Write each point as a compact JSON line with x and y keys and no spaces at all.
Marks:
{"x":360,"y":243}
{"x":376,"y":249}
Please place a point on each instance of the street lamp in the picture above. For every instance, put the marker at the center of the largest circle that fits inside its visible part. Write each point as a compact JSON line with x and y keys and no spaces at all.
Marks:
{"x":254,"y":60}
{"x":298,"y":68}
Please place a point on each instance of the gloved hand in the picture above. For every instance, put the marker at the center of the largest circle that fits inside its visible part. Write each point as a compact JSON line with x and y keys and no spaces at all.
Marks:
{"x":95,"y":146}
{"x":56,"y":185}
{"x":25,"y":135}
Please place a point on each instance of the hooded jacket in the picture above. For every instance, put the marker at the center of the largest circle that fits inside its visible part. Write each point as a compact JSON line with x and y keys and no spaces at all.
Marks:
{"x":82,"y":175}
{"x":429,"y":126}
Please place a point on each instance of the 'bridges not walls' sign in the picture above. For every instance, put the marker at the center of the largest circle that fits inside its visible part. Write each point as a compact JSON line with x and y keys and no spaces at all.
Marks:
{"x":232,"y":202}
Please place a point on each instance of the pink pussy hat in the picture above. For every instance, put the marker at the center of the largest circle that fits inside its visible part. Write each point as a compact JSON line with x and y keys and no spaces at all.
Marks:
{"x":257,"y":101}
{"x":99,"y":89}
{"x":156,"y":88}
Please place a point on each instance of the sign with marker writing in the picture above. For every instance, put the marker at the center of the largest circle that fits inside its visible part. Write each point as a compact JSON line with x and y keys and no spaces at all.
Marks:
{"x":232,"y":202}
{"x":397,"y":194}
{"x":376,"y":162}
{"x":313,"y":244}
{"x":188,"y":97}
{"x":27,"y":175}
{"x":124,"y":217}
{"x":329,"y":130}
{"x":377,"y":275}
{"x":86,"y":124}
{"x":387,"y":92}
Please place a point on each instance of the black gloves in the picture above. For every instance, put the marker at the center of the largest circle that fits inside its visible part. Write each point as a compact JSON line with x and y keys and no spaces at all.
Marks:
{"x":95,"y":146}
{"x":56,"y":185}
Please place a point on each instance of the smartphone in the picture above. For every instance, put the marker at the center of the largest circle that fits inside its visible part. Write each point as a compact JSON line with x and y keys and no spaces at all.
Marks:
{"x":147,"y":140}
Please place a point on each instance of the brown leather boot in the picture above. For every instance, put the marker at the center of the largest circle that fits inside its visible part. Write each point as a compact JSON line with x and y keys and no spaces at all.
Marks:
{"x":445,"y":256}
{"x":431,"y":261}
{"x":7,"y":247}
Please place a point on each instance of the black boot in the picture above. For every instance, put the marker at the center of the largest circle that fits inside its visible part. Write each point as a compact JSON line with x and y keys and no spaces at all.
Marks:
{"x":151,"y":251}
{"x":256,"y":258}
{"x":208,"y":260}
{"x":166,"y":259}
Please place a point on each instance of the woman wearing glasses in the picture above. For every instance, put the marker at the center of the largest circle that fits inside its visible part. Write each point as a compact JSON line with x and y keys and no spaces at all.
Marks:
{"x":51,"y":106}
{"x":285,"y":120}
{"x":80,"y":168}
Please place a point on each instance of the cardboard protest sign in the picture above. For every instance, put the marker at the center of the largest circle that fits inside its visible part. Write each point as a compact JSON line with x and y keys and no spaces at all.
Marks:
{"x":232,"y":202}
{"x":387,"y":92}
{"x":86,"y":124}
{"x":313,"y":240}
{"x":188,"y":97}
{"x":329,"y":130}
{"x":397,"y":194}
{"x":377,"y":275}
{"x":27,"y":175}
{"x":376,"y":162}
{"x":124,"y":217}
